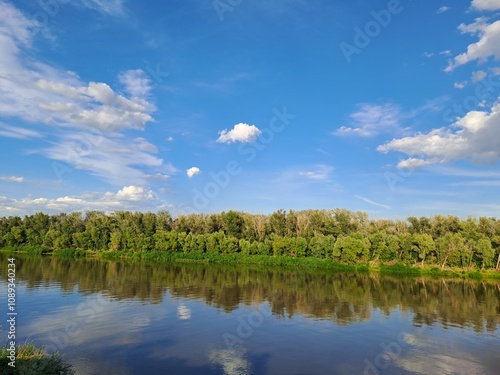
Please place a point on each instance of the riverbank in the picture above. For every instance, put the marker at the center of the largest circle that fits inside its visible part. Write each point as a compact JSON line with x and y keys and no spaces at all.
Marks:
{"x":30,"y":359}
{"x":309,"y":263}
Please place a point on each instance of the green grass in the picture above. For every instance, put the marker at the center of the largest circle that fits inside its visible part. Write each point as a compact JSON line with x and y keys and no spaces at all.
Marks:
{"x":31,"y":359}
{"x":398,"y":269}
{"x":69,"y":253}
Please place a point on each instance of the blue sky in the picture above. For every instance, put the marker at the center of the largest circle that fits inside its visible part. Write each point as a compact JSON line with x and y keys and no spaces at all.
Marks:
{"x":389,"y":107}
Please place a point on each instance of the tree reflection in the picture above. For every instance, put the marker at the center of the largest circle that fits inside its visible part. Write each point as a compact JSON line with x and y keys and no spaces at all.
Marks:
{"x":342,"y":298}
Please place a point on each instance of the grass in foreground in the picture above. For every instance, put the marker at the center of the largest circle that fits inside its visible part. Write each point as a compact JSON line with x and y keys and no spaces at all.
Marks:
{"x":33,"y":360}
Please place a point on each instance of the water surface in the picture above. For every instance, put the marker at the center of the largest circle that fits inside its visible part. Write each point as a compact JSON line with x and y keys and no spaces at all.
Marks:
{"x":135,"y":318}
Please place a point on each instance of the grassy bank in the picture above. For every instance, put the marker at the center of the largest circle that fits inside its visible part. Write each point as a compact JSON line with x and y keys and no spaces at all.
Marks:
{"x":31,"y":359}
{"x":398,"y":269}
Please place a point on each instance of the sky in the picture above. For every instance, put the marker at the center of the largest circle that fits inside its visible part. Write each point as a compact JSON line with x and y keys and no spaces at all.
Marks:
{"x":200,"y":106}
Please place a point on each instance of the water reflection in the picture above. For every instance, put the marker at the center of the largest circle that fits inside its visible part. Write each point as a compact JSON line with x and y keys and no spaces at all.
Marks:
{"x":134,"y":318}
{"x":342,"y":298}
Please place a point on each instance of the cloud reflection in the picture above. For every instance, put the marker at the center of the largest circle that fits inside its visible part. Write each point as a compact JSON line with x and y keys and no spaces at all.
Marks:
{"x":233,"y":361}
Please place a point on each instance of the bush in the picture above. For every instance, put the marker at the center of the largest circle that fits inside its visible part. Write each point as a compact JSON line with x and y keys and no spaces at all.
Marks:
{"x":31,"y":359}
{"x":475,"y":275}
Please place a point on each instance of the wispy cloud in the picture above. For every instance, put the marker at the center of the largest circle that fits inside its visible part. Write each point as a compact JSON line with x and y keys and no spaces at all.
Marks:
{"x":87,"y":119}
{"x":12,"y":179}
{"x":111,"y":157}
{"x":110,"y":7}
{"x":371,"y":120}
{"x":443,"y":9}
{"x":18,"y":132}
{"x":320,"y":172}
{"x":372,"y":202}
{"x":223,"y":84}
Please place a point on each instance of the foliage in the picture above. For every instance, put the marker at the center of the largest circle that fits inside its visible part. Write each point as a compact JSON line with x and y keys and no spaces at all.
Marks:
{"x":31,"y":359}
{"x":344,"y":236}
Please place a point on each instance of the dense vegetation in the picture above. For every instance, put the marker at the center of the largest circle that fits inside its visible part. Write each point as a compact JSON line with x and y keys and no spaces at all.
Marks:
{"x":341,"y":235}
{"x":31,"y":359}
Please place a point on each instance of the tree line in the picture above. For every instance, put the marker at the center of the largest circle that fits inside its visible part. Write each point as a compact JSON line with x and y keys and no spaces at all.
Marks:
{"x":339,"y":234}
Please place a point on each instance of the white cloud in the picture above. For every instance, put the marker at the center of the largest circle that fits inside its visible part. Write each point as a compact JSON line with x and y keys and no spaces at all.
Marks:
{"x":95,"y":106}
{"x":372,"y":202}
{"x":136,"y":82}
{"x":443,"y":9}
{"x":478,"y":76}
{"x":144,"y":145}
{"x":487,"y":46}
{"x":460,"y":85}
{"x":445,"y":52}
{"x":17,"y":132}
{"x":110,"y":157}
{"x":476,"y":137}
{"x":85,"y":118}
{"x":486,"y":4}
{"x":157,"y":176}
{"x":12,"y":179}
{"x":372,"y":120}
{"x":495,"y":71}
{"x":193,"y":171}
{"x":428,"y":54}
{"x":134,"y":193}
{"x":170,"y":139}
{"x":239,"y":133}
{"x":412,"y":163}
{"x":321,"y":172}
{"x":133,"y":198}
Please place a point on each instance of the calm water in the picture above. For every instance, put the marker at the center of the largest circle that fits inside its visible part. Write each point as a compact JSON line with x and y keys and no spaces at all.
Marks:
{"x":132,"y":318}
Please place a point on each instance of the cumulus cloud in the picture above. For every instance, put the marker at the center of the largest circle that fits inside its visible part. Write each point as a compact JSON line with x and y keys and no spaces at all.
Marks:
{"x":239,"y":133}
{"x":475,"y":137}
{"x":372,"y":120}
{"x":487,"y":46}
{"x":460,"y":85}
{"x":134,"y":193}
{"x":193,"y":171}
{"x":133,"y":198}
{"x":443,"y":9}
{"x":486,"y":4}
{"x":12,"y":179}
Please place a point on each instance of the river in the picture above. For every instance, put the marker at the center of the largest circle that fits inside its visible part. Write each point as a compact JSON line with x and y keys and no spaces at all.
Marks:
{"x":124,"y":318}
